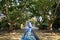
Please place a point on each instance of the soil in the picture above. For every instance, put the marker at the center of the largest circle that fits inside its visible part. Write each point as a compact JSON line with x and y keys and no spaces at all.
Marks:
{"x":16,"y":35}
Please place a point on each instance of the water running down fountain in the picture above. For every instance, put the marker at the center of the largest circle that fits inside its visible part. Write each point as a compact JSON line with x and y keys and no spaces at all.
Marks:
{"x":29,"y":34}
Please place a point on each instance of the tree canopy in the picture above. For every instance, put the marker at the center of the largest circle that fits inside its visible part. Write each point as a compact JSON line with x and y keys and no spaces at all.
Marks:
{"x":22,"y":10}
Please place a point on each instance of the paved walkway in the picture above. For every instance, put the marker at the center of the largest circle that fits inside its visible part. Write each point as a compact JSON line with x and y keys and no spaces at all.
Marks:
{"x":18,"y":34}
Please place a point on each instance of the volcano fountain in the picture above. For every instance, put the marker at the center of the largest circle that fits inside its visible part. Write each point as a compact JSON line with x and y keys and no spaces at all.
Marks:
{"x":29,"y":34}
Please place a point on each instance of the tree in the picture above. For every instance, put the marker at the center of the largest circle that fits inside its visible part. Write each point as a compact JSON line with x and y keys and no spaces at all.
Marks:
{"x":44,"y":9}
{"x":15,"y":10}
{"x":47,"y":8}
{"x":23,"y":10}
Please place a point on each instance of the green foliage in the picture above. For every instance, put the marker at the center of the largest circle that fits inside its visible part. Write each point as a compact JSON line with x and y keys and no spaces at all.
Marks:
{"x":4,"y":24}
{"x":19,"y":9}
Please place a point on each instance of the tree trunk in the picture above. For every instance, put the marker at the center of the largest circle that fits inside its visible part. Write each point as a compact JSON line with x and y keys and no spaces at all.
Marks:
{"x":7,"y":10}
{"x":7,"y":16}
{"x":50,"y":25}
{"x":11,"y":27}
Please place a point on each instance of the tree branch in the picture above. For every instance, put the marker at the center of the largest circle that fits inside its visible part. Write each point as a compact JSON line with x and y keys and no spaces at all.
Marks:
{"x":21,"y":12}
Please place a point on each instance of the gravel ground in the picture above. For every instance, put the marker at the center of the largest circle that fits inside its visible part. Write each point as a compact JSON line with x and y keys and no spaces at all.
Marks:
{"x":16,"y":35}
